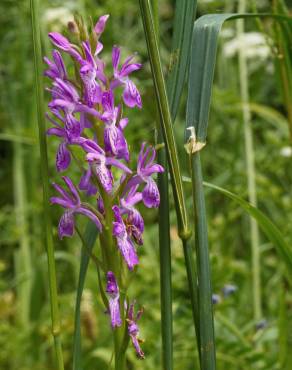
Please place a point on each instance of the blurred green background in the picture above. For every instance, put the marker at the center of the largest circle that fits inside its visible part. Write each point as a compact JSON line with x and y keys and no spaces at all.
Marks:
{"x":242,"y":342}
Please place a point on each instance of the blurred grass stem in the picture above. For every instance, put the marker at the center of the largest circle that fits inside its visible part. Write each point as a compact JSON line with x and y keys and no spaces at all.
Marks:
{"x":55,"y":316}
{"x":250,"y":166}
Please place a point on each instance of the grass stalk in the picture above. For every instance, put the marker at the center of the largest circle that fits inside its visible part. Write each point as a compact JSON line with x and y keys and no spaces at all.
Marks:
{"x":250,"y":167}
{"x":55,"y":316}
{"x":164,"y":241}
{"x":206,"y":323}
{"x":22,"y":226}
{"x":165,"y":118}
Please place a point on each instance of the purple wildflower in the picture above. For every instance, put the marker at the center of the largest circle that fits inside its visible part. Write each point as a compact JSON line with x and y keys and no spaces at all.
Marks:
{"x":112,"y":290}
{"x":229,"y":289}
{"x":131,"y":95}
{"x":124,"y":241}
{"x":100,"y":163}
{"x":145,"y":169}
{"x":68,"y":135}
{"x":114,"y":140}
{"x":134,"y":221}
{"x":133,"y":329}
{"x":72,"y":203}
{"x":57,"y":67}
{"x":216,"y":298}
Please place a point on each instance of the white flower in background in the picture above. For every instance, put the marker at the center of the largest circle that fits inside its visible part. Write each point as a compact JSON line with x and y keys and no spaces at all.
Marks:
{"x":57,"y":18}
{"x":254,"y":44}
{"x":286,"y":151}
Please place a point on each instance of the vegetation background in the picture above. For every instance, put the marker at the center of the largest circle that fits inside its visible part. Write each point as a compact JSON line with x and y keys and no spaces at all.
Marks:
{"x":243,"y":341}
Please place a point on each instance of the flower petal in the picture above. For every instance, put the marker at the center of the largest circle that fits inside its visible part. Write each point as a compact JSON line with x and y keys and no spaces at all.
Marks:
{"x":63,"y":158}
{"x":100,"y":24}
{"x":66,"y":225}
{"x":131,"y":95}
{"x":150,"y":194}
{"x":116,"y":54}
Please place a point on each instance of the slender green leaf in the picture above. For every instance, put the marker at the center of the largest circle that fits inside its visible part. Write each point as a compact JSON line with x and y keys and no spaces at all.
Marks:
{"x":185,"y":11}
{"x":205,"y":307}
{"x":268,"y":228}
{"x":89,"y":239}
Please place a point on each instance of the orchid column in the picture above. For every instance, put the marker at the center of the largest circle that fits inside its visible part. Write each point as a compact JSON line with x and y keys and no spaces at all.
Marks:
{"x":86,"y":112}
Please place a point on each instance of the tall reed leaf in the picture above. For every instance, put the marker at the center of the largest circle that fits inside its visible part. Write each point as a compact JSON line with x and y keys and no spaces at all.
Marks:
{"x":185,"y":11}
{"x":56,"y":326}
{"x":202,"y":66}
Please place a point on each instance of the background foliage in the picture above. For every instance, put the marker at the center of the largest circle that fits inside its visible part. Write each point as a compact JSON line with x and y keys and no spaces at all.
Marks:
{"x":242,"y":342}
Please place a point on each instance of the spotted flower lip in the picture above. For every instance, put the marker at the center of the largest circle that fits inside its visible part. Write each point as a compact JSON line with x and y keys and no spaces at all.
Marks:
{"x":72,"y":204}
{"x":145,"y":169}
{"x":134,"y":221}
{"x":100,"y":162}
{"x":69,"y":134}
{"x":124,"y":241}
{"x":114,"y":140}
{"x":133,"y":329}
{"x":131,"y":95}
{"x":113,"y":294}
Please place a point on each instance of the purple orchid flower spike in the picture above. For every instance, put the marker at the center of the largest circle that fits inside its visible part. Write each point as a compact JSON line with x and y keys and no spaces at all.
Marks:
{"x":145,"y":169}
{"x":57,"y":67}
{"x":124,"y":242}
{"x":72,"y":203}
{"x":112,"y":290}
{"x":100,"y":24}
{"x":133,"y":329}
{"x":99,"y":163}
{"x":131,"y":95}
{"x":114,"y":140}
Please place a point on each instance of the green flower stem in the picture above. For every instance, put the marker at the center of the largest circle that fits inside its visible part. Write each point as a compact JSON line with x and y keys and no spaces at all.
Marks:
{"x":56,"y":326}
{"x":165,"y":118}
{"x":250,"y":169}
{"x":206,"y":324}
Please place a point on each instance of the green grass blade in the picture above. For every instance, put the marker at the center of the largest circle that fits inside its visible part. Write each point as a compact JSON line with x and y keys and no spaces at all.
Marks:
{"x":205,"y":306}
{"x":271,"y":231}
{"x":56,"y":326}
{"x":89,"y":239}
{"x":164,"y":241}
{"x":185,"y":11}
{"x":165,"y":117}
